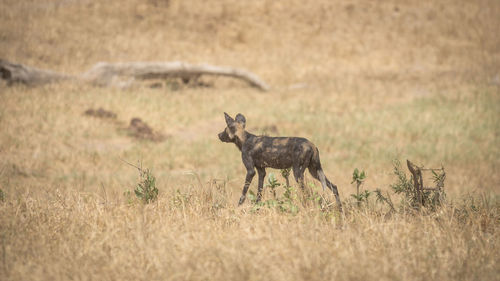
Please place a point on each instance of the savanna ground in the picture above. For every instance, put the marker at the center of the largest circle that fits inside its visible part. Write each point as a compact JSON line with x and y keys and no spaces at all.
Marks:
{"x":367,"y":81}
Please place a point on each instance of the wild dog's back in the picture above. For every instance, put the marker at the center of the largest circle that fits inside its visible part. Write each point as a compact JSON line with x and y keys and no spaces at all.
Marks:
{"x":277,"y":152}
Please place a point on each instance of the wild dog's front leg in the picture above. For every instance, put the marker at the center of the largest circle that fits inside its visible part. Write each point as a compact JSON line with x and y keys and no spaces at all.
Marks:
{"x":262,"y":175}
{"x":248,"y":180}
{"x":248,"y":162}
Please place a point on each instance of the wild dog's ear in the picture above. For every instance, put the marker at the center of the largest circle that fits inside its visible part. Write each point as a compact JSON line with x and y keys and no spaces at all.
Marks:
{"x":229,"y":120}
{"x":241,"y":119}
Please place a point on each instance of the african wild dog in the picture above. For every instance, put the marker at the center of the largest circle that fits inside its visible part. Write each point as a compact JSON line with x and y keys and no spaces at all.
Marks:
{"x":260,"y":152}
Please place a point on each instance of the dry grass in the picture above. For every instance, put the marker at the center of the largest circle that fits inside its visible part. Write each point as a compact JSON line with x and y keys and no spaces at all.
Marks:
{"x":366,"y":82}
{"x":195,"y":235}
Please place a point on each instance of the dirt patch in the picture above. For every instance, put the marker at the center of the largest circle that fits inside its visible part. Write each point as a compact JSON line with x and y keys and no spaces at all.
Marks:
{"x":141,"y":130}
{"x":136,"y":128}
{"x":100,"y":113}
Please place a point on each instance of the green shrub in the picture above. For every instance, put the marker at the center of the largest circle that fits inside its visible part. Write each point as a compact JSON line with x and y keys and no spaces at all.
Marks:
{"x":358,"y":178}
{"x":284,"y":203}
{"x":146,"y":189}
{"x":272,"y":183}
{"x":429,"y":197}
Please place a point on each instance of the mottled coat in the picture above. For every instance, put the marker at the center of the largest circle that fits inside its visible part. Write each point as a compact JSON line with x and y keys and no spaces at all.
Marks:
{"x":261,"y":152}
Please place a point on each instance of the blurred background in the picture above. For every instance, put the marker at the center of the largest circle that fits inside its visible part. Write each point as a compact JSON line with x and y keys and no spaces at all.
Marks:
{"x":284,"y":42}
{"x":368,"y":82}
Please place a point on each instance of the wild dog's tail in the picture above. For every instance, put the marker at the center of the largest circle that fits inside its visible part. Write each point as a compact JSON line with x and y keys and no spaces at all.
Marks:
{"x":317,"y":172}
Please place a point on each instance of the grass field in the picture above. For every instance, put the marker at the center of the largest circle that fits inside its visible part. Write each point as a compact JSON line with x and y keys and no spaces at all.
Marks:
{"x":367,"y":82}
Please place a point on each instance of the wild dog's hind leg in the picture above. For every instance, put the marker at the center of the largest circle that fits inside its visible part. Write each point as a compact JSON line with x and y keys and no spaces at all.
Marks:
{"x":319,"y":175}
{"x":296,"y":174}
{"x":262,"y":174}
{"x":314,"y":173}
{"x":299,"y":167}
{"x":335,"y":191}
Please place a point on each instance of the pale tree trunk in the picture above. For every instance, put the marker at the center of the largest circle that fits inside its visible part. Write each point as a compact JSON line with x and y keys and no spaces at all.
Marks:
{"x":17,"y":73}
{"x":124,"y":74}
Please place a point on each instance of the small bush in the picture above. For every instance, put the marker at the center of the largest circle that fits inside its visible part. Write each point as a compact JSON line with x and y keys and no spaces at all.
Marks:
{"x":359,"y":177}
{"x":413,"y":198}
{"x":146,"y":188}
{"x":403,"y":184}
{"x":285,"y":203}
{"x":286,"y":173}
{"x":272,"y":183}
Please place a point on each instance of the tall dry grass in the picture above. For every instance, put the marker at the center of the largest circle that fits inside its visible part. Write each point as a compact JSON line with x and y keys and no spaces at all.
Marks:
{"x":366,"y":82}
{"x":196,"y":234}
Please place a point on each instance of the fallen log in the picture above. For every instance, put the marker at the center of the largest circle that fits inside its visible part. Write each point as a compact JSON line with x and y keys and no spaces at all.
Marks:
{"x":17,"y":73}
{"x":124,"y":74}
{"x":104,"y":73}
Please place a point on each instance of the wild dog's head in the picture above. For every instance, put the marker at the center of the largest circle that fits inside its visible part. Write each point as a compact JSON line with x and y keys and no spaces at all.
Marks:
{"x":235,"y":130}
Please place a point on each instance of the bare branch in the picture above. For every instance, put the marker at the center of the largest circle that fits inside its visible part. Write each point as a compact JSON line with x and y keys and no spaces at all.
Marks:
{"x":138,"y":168}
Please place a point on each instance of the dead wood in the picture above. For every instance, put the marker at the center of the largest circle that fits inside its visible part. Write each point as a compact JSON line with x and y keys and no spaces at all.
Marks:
{"x":124,"y":74}
{"x":17,"y":73}
{"x":105,"y":74}
{"x":417,"y":180}
{"x":421,"y":190}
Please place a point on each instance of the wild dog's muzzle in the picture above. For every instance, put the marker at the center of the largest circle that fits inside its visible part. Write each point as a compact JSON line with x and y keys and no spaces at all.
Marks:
{"x":224,"y":137}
